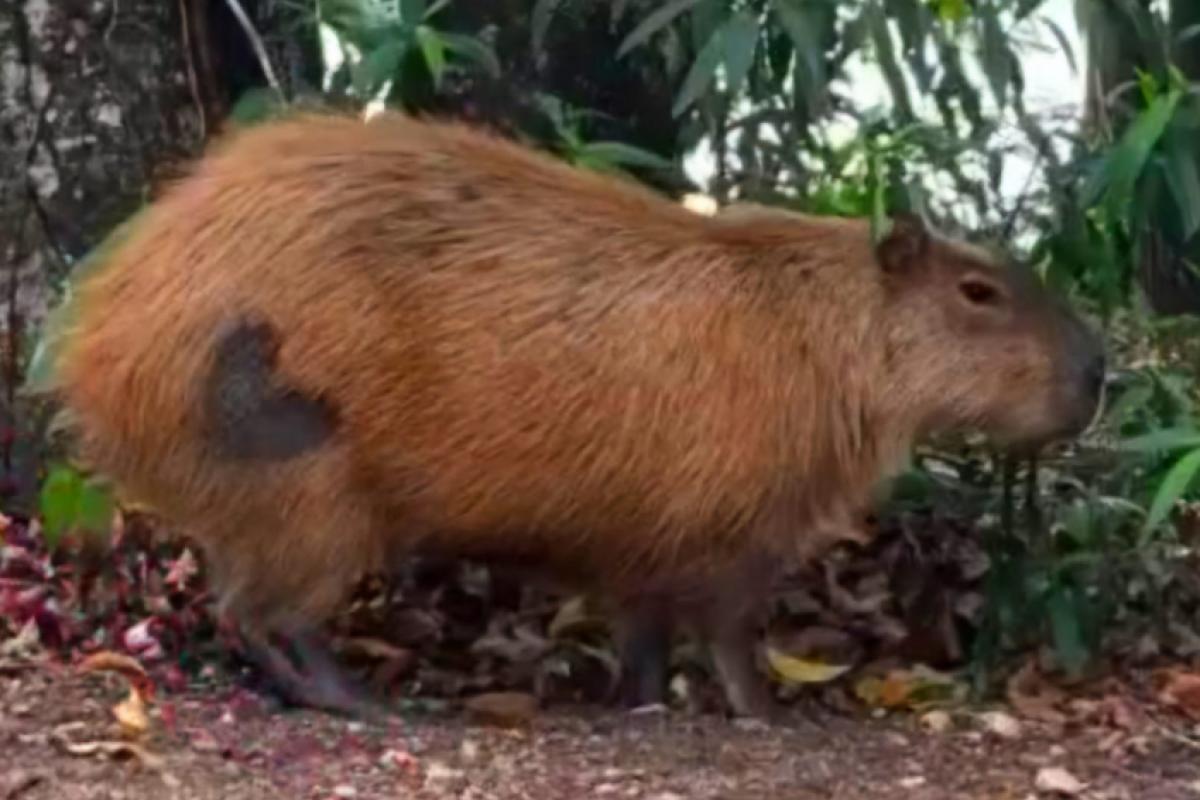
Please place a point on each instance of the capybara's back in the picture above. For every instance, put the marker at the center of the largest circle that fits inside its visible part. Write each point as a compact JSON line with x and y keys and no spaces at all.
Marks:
{"x":336,"y":343}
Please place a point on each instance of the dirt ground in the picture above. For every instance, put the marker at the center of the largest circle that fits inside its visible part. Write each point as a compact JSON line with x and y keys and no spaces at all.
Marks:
{"x":225,"y":742}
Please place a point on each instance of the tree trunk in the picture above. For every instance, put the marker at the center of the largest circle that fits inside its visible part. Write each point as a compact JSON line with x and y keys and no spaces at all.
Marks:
{"x":95,"y":97}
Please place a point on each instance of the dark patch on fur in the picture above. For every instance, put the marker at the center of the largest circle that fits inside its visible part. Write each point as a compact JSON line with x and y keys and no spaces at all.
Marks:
{"x":467,"y":193}
{"x":251,"y":415}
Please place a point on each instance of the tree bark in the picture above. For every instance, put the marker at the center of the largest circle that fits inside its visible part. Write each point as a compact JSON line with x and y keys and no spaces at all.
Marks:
{"x":96,"y":96}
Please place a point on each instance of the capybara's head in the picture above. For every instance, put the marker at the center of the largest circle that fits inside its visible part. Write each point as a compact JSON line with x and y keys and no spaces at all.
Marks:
{"x":974,"y":341}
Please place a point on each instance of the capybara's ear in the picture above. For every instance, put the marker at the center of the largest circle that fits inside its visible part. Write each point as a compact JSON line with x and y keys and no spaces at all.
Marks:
{"x":905,"y":247}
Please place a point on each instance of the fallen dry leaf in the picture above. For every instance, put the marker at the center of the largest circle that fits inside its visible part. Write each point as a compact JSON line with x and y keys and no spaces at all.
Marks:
{"x":400,"y":760}
{"x":572,"y":618}
{"x":803,"y":670}
{"x":16,"y":783}
{"x":131,"y":714}
{"x":115,"y":750}
{"x":182,"y":570}
{"x":1001,"y":724}
{"x":916,"y":688}
{"x":522,"y":646}
{"x":108,"y":661}
{"x":1057,"y":781}
{"x":936,"y":721}
{"x":1034,"y":697}
{"x":140,"y":639}
{"x":506,"y":709}
{"x":372,"y":648}
{"x":26,"y":643}
{"x":818,"y":643}
{"x":845,"y":602}
{"x":1181,"y":690}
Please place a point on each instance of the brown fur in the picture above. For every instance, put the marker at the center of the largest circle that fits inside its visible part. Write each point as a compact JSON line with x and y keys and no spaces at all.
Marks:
{"x":531,"y":362}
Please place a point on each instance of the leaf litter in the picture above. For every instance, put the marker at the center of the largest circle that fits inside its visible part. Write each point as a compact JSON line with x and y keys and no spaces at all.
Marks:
{"x":852,"y":631}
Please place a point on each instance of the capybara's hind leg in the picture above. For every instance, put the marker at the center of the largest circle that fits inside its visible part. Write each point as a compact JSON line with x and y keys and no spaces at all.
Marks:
{"x":313,"y":679}
{"x":731,"y":645}
{"x":729,"y":624}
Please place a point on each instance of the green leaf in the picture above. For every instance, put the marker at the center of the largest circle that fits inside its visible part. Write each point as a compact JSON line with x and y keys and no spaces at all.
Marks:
{"x":740,"y":35}
{"x":256,"y":105}
{"x":95,"y":509}
{"x":67,"y":501}
{"x":701,"y":74}
{"x":1187,"y":34}
{"x":653,"y":23}
{"x":1183,"y":179}
{"x":434,"y":51}
{"x":377,"y":67}
{"x":805,"y":23}
{"x":952,"y":11}
{"x":997,"y":59}
{"x":412,"y":11}
{"x":620,"y":153}
{"x":1077,"y":522}
{"x":1121,"y":169}
{"x":58,"y":500}
{"x":543,"y":13}
{"x":1163,"y":440}
{"x":1173,"y":486}
{"x":472,"y":49}
{"x":437,"y":6}
{"x":359,"y":21}
{"x":1066,"y":623}
{"x":886,"y":51}
{"x":779,"y":57}
{"x":703,"y":21}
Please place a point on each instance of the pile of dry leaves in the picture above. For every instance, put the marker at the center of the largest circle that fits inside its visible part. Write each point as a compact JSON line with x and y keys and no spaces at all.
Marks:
{"x":876,"y":626}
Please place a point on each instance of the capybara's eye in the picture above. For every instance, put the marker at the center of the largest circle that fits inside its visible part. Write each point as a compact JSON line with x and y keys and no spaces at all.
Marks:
{"x":979,"y":292}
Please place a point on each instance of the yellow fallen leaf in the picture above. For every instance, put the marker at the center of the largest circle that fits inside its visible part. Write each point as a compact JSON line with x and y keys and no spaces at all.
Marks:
{"x":917,"y":688}
{"x":570,"y":615}
{"x":131,"y":715}
{"x":803,"y":670}
{"x":869,"y":690}
{"x":108,"y":661}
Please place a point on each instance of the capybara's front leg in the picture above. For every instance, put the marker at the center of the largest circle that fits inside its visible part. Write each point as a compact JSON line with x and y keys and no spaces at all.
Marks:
{"x":643,"y":634}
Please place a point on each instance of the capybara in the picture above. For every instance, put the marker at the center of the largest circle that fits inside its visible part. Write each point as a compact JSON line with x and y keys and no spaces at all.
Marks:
{"x":337,"y":343}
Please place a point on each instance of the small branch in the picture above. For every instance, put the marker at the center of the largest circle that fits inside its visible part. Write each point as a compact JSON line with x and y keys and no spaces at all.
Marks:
{"x":1010,"y":224}
{"x":257,"y":43}
{"x":190,"y":62}
{"x":112,"y":22}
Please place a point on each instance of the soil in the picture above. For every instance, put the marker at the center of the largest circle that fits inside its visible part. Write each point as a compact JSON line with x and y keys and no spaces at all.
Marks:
{"x":223,"y":741}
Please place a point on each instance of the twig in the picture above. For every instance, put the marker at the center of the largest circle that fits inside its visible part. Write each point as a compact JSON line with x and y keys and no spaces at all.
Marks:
{"x":1173,"y":735}
{"x":256,"y":42}
{"x":112,"y":21}
{"x":1011,"y":223}
{"x":23,"y":783}
{"x":190,"y":63}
